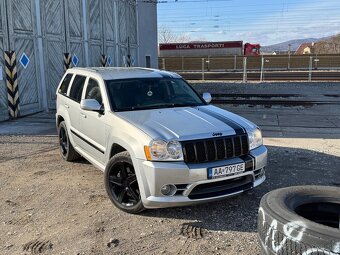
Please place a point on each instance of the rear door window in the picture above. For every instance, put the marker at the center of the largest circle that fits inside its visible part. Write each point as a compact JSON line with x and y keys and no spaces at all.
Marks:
{"x":65,"y":84}
{"x":77,"y":88}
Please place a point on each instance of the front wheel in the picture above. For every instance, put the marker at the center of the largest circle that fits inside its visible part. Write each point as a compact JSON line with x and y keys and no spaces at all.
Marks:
{"x":121,"y":183}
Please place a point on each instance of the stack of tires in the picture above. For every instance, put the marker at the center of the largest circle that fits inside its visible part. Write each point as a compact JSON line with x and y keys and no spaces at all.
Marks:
{"x":301,"y":220}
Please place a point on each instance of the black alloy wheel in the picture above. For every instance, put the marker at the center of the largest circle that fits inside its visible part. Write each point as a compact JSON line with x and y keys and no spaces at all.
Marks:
{"x":63,"y":141}
{"x":121,"y":183}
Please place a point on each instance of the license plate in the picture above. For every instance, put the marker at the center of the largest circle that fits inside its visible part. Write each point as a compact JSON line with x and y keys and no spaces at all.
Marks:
{"x":223,"y":171}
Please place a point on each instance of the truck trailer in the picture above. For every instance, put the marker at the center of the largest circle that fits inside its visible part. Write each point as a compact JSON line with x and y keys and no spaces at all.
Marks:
{"x":211,"y":49}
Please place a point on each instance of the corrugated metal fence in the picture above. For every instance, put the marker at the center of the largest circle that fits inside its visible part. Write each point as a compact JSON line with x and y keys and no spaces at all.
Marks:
{"x":254,"y":63}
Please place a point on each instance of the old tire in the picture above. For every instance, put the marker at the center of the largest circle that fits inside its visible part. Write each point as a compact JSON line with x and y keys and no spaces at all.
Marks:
{"x":300,"y":220}
{"x":121,"y":183}
{"x":66,"y":148}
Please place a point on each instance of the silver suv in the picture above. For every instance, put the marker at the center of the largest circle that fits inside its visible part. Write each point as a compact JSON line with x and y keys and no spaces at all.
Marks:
{"x":159,"y":143}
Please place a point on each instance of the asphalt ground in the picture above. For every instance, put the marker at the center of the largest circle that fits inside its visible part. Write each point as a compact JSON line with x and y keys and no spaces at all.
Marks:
{"x":50,"y":206}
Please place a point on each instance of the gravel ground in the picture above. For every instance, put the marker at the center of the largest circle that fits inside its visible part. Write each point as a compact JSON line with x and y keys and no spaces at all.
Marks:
{"x":50,"y":206}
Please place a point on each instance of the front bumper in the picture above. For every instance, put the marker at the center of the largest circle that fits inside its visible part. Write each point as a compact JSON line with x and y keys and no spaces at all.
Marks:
{"x":191,"y":180}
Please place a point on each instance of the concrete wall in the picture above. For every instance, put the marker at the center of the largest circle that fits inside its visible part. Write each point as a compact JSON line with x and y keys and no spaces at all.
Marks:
{"x":147,"y":33}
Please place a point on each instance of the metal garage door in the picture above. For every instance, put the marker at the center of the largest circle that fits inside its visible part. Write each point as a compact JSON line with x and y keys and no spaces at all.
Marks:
{"x":52,"y":15}
{"x":63,"y":32}
{"x":102,"y":29}
{"x":22,"y":31}
{"x":127,"y":24}
{"x":3,"y":46}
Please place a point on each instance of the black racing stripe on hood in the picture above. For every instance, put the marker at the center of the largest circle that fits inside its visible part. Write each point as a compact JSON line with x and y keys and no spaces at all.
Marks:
{"x":239,"y":130}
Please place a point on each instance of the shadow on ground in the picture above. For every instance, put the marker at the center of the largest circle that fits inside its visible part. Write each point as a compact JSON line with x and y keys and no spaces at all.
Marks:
{"x":286,"y":167}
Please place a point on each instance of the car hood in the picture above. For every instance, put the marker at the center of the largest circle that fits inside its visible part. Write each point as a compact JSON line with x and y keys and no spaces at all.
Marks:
{"x":187,"y":123}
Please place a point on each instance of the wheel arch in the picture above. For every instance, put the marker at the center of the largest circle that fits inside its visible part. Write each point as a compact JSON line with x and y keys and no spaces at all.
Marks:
{"x":59,"y":119}
{"x":116,"y":148}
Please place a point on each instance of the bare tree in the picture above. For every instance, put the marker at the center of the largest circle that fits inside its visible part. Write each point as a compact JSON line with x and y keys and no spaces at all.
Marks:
{"x":166,"y":35}
{"x":183,"y":38}
{"x":328,"y":46}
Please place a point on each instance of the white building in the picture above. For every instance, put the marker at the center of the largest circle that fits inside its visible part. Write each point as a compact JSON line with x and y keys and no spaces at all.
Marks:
{"x":41,"y":31}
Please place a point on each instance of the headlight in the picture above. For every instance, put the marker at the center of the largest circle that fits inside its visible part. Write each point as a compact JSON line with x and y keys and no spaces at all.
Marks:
{"x":255,"y":139}
{"x":164,"y":151}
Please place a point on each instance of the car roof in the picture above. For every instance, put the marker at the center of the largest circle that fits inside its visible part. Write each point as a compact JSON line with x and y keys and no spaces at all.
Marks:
{"x":117,"y":73}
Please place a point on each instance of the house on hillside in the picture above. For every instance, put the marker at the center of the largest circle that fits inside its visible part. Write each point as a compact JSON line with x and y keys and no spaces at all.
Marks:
{"x":305,"y":48}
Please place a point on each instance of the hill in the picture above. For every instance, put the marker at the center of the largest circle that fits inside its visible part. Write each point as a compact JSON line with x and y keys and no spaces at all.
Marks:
{"x":284,"y":45}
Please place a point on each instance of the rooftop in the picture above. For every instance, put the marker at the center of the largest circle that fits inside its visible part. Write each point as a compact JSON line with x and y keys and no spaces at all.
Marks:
{"x":116,"y":73}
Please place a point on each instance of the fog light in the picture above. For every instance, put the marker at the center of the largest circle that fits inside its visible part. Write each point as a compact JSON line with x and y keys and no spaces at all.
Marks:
{"x":168,"y":190}
{"x":262,"y":173}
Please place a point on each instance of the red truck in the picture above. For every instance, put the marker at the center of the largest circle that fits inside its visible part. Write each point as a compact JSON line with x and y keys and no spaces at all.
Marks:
{"x":251,"y":49}
{"x":212,"y":49}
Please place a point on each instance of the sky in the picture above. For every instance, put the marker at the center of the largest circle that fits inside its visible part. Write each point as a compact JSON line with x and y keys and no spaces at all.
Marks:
{"x":263,"y":21}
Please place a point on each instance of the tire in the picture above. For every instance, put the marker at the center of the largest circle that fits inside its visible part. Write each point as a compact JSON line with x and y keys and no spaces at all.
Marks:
{"x":66,"y":148}
{"x":121,"y":184}
{"x":300,"y":220}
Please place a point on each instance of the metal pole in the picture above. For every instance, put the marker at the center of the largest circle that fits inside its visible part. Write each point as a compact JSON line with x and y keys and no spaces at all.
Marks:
{"x":182,"y":63}
{"x":316,"y":60}
{"x":244,"y":69}
{"x":202,"y":69}
{"x":208,"y":64}
{"x":289,"y":52}
{"x":163,"y":63}
{"x":128,"y":53}
{"x":85,"y":31}
{"x":235,"y":62}
{"x":262,"y":67}
{"x":310,"y":68}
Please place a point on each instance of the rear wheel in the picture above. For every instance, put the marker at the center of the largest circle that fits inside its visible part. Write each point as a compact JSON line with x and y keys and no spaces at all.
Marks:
{"x":121,"y":183}
{"x":66,"y":149}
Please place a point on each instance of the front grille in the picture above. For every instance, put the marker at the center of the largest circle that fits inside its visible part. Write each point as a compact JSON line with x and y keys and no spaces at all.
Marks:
{"x":221,"y":188}
{"x":208,"y":150}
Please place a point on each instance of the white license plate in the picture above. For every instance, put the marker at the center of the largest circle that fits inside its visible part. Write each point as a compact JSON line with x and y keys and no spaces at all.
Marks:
{"x":222,"y":171}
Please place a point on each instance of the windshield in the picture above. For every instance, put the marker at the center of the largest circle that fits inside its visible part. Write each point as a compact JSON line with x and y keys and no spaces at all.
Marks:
{"x":142,"y":94}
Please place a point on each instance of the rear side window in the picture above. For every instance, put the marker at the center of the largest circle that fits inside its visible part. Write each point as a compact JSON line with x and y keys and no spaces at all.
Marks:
{"x":77,"y":88}
{"x":65,"y":84}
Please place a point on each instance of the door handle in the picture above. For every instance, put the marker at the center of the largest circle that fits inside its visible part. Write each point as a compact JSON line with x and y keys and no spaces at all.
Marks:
{"x":83,"y":115}
{"x":67,"y":106}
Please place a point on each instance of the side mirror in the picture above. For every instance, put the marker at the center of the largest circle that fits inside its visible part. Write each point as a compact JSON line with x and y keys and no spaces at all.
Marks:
{"x":207,"y":97}
{"x":90,"y":105}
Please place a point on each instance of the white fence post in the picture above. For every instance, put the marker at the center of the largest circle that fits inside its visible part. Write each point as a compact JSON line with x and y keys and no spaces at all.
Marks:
{"x":202,"y":69}
{"x":182,"y":63}
{"x":163,"y":63}
{"x":310,"y":68}
{"x":245,"y":69}
{"x":262,"y":67}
